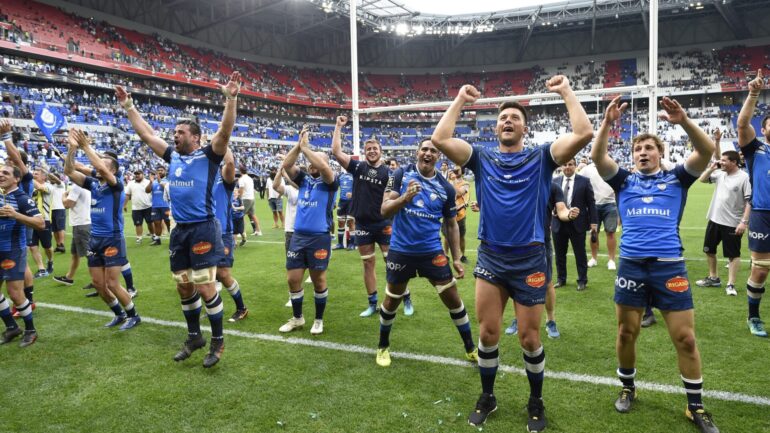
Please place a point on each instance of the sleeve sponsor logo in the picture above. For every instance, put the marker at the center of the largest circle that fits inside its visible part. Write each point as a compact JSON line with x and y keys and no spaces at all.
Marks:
{"x":440,"y":260}
{"x":321,"y":254}
{"x":535,"y":280}
{"x":201,"y":248}
{"x":678,"y":284}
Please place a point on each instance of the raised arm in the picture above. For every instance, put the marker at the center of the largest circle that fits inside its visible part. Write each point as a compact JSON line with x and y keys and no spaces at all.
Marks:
{"x":69,"y":161}
{"x":222,"y":137}
{"x":705,"y":177}
{"x":702,"y":145}
{"x":96,"y":161}
{"x":291,"y":156}
{"x":568,"y":145}
{"x":148,"y":188}
{"x":228,"y":169}
{"x":342,"y":158}
{"x":605,"y":166}
{"x":457,"y":150}
{"x":278,"y":186}
{"x":319,"y":160}
{"x":746,"y":133}
{"x":141,"y":127}
{"x":13,"y":153}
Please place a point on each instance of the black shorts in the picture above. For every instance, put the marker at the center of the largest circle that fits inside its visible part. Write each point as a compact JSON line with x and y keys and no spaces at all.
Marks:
{"x":58,"y":220}
{"x":141,"y":215}
{"x":716,"y":233}
{"x":41,"y":237}
{"x":343,"y":208}
{"x":238,"y":226}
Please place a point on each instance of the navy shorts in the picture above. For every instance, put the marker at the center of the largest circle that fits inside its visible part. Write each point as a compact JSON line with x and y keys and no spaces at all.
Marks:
{"x":660,"y":284}
{"x":141,"y":215}
{"x":401,"y":267}
{"x":343,"y":208}
{"x":58,"y":219}
{"x":228,"y":258}
{"x":160,"y":213}
{"x":106,"y":251}
{"x":759,"y":231}
{"x":378,"y":233}
{"x":238,"y":225}
{"x":548,"y":259}
{"x":40,"y":237}
{"x":12,"y":264}
{"x":308,"y":251}
{"x":520,"y":271}
{"x":195,"y":245}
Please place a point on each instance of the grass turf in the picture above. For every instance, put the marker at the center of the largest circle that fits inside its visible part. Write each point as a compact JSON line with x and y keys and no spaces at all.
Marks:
{"x":82,"y":377}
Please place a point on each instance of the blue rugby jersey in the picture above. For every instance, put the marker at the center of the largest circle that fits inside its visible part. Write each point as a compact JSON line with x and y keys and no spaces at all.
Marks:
{"x":237,"y":202}
{"x":191,"y":182}
{"x":315,"y":204}
{"x":223,"y":198}
{"x":512,"y":190}
{"x":106,"y":207}
{"x":13,"y":234}
{"x":346,"y":186}
{"x":650,"y":208}
{"x":757,"y":155}
{"x":417,"y":227}
{"x":158,"y":196}
{"x":26,"y":184}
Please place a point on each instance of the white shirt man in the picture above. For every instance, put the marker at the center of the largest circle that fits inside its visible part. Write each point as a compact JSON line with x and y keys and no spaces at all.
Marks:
{"x":607,"y":209}
{"x":141,"y":203}
{"x":78,"y":201}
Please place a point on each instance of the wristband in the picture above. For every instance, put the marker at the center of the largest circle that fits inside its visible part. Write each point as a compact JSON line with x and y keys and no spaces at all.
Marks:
{"x":744,"y":222}
{"x":6,"y":136}
{"x":754,"y":95}
{"x":232,"y":98}
{"x":128,"y":104}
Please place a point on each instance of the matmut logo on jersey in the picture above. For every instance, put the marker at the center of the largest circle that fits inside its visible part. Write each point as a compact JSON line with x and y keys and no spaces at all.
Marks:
{"x":678,"y":284}
{"x":201,"y":248}
{"x":647,"y":211}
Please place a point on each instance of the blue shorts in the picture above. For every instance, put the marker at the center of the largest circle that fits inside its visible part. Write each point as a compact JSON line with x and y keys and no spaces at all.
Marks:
{"x":309,"y":251}
{"x":195,"y":245}
{"x":608,"y":216}
{"x":106,"y":252}
{"x":548,"y":259}
{"x":58,"y":219}
{"x":228,"y":258}
{"x":520,"y":271}
{"x":379,"y":233}
{"x":759,"y":231}
{"x":660,"y":284}
{"x":238,"y":225}
{"x":40,"y":237}
{"x":13,"y":264}
{"x":141,"y":215}
{"x":343,"y":208}
{"x":160,"y":213}
{"x":401,"y":267}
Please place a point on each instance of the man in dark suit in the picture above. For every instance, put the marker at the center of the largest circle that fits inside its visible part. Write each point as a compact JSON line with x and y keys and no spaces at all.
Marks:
{"x":577,"y":193}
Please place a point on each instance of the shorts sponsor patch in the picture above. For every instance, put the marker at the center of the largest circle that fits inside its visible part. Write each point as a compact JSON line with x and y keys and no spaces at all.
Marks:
{"x":7,"y":264}
{"x":110,"y":252}
{"x":678,"y":284}
{"x":535,"y":280}
{"x":387,"y":230}
{"x":440,"y":260}
{"x":201,"y":248}
{"x":321,"y":254}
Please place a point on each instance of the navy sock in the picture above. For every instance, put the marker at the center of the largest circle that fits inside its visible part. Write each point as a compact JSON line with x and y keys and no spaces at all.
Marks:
{"x":127,"y":275}
{"x":29,"y":292}
{"x":489,"y":359}
{"x":754,"y":292}
{"x":534,"y":364}
{"x":25,"y":311}
{"x":460,"y":318}
{"x":320,"y":303}
{"x":626,"y":376}
{"x":191,"y":307}
{"x":694,"y":389}
{"x":115,"y":307}
{"x":215,"y":311}
{"x":339,"y":237}
{"x":296,"y":302}
{"x":235,"y":292}
{"x":5,"y":313}
{"x":386,"y":323}
{"x":373,"y":299}
{"x":130,"y":309}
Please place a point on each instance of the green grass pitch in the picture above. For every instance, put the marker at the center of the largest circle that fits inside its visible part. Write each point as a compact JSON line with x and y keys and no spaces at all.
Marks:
{"x":81,"y":377}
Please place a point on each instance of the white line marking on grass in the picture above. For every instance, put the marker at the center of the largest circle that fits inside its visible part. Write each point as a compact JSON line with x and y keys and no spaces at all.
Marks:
{"x":434,"y":359}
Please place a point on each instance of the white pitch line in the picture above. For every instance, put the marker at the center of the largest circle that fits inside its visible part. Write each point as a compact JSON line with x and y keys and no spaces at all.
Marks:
{"x":434,"y":359}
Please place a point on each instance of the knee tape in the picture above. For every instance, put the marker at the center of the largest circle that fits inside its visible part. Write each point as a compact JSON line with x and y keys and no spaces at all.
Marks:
{"x":368,"y":256}
{"x":205,"y":275}
{"x":440,"y":289}
{"x":761,"y":263}
{"x":182,"y":277}
{"x":393,"y":295}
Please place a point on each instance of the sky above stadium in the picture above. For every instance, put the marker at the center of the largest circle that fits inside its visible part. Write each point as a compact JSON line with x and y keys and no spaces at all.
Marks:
{"x":457,"y":7}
